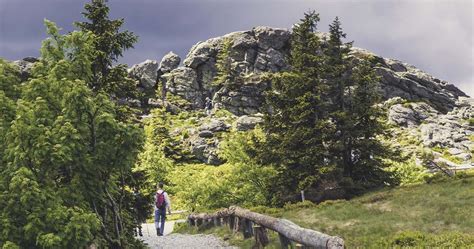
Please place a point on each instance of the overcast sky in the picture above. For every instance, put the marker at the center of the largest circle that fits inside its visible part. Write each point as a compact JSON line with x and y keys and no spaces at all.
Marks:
{"x":434,"y":35}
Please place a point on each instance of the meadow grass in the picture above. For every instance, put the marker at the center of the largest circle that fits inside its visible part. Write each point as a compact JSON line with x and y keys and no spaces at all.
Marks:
{"x":439,"y":214}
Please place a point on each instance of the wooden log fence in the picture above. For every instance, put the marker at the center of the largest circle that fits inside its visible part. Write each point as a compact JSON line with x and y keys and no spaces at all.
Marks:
{"x":252,"y":224}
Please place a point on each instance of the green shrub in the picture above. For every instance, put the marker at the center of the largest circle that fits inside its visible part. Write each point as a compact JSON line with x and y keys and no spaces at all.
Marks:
{"x":299,"y":205}
{"x":10,"y":245}
{"x":408,"y":172}
{"x":470,"y":121}
{"x":240,"y":181}
{"x":408,"y":238}
{"x":419,"y":239}
{"x":436,"y":178}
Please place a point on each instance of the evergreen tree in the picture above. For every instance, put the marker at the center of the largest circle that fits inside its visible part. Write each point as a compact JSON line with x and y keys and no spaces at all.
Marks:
{"x":355,"y":117}
{"x":9,"y":93}
{"x":297,"y":123}
{"x":66,"y":156}
{"x":225,"y":76}
{"x":368,"y":152}
{"x":109,"y":44}
{"x":336,"y":72}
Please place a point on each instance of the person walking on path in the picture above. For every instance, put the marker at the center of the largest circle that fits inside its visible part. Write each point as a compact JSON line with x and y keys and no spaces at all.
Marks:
{"x":162,"y":203}
{"x":208,"y":106}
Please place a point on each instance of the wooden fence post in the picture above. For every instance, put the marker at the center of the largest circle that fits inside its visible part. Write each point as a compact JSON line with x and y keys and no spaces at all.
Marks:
{"x":190,"y":222}
{"x":261,"y":237}
{"x":247,"y":228}
{"x":243,"y":220}
{"x":231,"y":222}
{"x":284,"y":241}
{"x":236,"y":224}
{"x":199,"y":222}
{"x":216,"y":221}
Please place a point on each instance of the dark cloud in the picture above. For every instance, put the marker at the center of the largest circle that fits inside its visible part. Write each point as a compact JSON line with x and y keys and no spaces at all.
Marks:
{"x":434,"y":35}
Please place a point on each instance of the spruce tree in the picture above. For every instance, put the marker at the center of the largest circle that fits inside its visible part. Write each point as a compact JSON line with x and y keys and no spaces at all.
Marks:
{"x":356,"y":119}
{"x":297,"y":123}
{"x":367,"y":128}
{"x":110,"y":43}
{"x":225,"y":75}
{"x":336,"y":72}
{"x":9,"y":94}
{"x":66,"y":156}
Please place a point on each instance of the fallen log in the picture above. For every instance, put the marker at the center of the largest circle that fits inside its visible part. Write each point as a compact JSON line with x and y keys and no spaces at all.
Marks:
{"x":290,"y":230}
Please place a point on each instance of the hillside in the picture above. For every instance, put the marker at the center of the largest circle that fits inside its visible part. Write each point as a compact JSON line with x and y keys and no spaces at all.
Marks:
{"x":432,"y":112}
{"x":425,"y":112}
{"x":438,"y":214}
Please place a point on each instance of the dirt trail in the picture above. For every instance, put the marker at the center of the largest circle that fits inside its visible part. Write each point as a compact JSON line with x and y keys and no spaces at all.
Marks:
{"x":174,"y":241}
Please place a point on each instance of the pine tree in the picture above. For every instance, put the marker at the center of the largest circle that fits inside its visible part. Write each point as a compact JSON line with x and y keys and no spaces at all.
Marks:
{"x":297,"y":123}
{"x":110,"y":43}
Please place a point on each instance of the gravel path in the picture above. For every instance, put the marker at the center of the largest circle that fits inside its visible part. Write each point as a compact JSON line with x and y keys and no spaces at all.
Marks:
{"x":175,"y":241}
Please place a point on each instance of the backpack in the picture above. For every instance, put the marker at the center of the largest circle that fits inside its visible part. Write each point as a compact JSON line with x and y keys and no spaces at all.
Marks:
{"x":160,"y":200}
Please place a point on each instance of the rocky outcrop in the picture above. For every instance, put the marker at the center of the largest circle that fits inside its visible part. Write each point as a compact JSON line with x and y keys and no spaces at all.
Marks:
{"x":450,"y":132}
{"x":402,"y":80}
{"x":204,"y":140}
{"x":430,"y":108}
{"x":261,"y":49}
{"x":169,"y":62}
{"x":244,"y":97}
{"x":25,"y":65}
{"x":145,"y":73}
{"x":410,"y":114}
{"x":265,"y":49}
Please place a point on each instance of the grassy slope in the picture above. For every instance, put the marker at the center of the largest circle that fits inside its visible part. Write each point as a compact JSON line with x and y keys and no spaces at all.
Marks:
{"x":436,"y":214}
{"x":379,"y":216}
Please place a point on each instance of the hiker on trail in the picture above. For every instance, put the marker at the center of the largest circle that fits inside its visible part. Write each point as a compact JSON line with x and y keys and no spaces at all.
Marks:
{"x":208,"y":106}
{"x":162,"y":203}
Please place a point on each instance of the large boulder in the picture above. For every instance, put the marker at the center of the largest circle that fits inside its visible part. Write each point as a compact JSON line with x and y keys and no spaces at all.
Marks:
{"x":410,"y":114}
{"x":448,"y":131}
{"x":205,"y":149}
{"x":145,"y":73}
{"x":215,"y":125}
{"x":244,"y":123}
{"x":204,"y":141}
{"x":169,"y":62}
{"x":182,"y":82}
{"x":25,"y":65}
